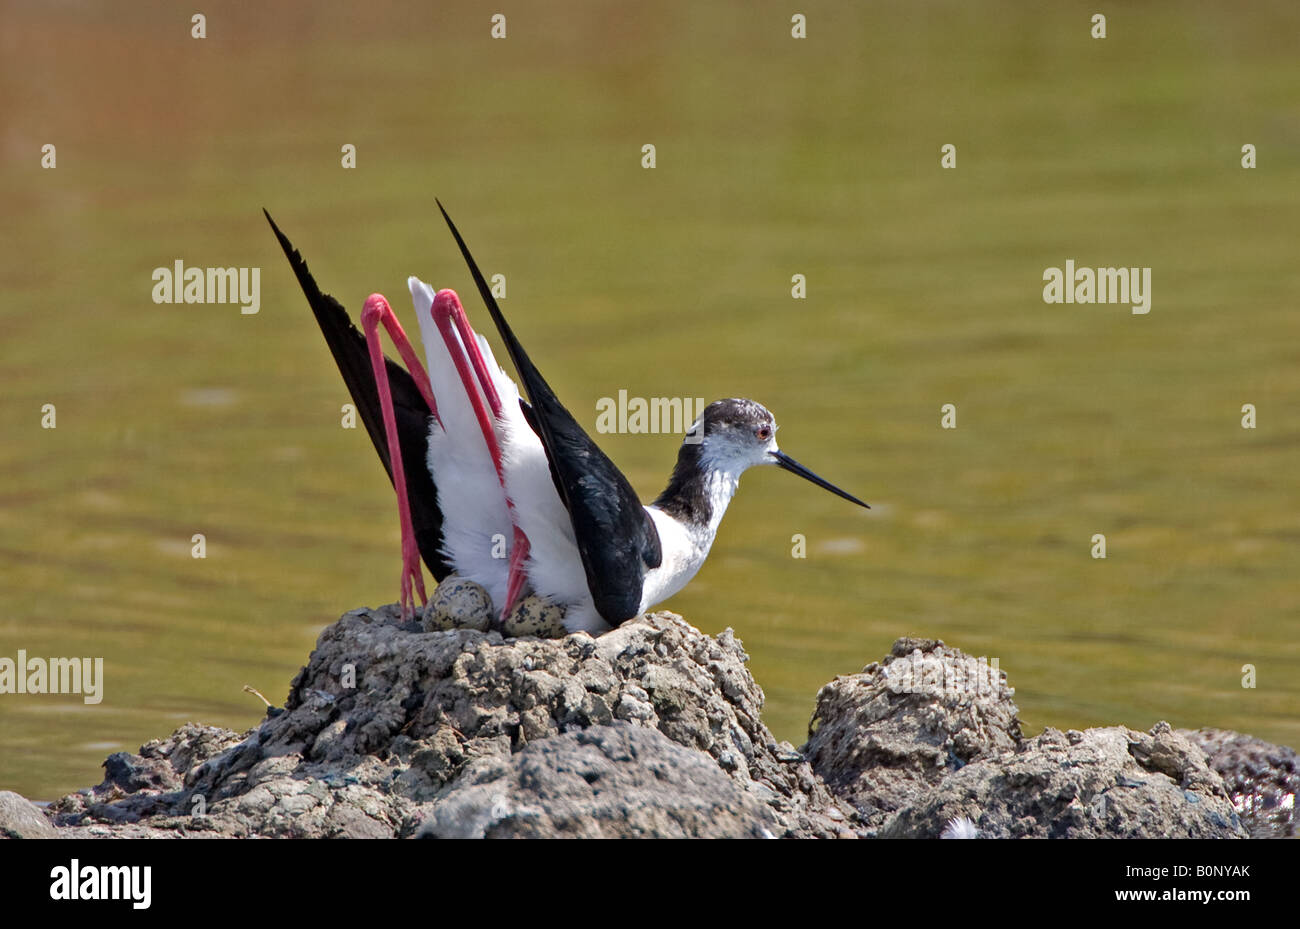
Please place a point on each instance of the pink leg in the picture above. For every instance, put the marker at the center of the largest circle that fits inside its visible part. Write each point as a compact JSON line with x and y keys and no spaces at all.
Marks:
{"x":378,"y":311}
{"x":465,"y":353}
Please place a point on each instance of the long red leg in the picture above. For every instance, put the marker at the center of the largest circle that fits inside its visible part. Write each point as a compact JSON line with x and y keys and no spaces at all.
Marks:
{"x":378,"y":311}
{"x":465,"y":353}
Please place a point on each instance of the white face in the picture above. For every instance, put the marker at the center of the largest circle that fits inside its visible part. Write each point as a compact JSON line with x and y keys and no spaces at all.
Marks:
{"x":740,"y":445}
{"x":739,"y":434}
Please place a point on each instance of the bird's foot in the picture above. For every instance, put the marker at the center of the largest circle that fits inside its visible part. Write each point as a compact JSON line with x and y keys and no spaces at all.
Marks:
{"x":518,"y":580}
{"x":411,"y":577}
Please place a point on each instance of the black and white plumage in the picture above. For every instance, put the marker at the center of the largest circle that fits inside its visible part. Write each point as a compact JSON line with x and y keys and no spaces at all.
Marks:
{"x":486,"y":470}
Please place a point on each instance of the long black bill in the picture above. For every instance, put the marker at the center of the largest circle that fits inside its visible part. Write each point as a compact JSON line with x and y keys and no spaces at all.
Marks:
{"x":785,"y":461}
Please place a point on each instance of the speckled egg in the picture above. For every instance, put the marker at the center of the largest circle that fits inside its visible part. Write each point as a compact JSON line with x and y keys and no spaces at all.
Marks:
{"x":458,"y":603}
{"x":534,"y":615}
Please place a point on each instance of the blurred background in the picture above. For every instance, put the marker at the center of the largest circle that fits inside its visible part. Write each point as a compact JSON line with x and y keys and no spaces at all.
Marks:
{"x":775,"y":157}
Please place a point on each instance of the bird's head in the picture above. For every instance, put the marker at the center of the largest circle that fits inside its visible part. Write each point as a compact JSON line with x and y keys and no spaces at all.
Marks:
{"x":737,"y":434}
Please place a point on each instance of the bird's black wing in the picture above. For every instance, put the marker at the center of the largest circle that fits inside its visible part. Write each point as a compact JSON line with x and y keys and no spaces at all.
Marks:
{"x":616,"y":537}
{"x":348,"y":346}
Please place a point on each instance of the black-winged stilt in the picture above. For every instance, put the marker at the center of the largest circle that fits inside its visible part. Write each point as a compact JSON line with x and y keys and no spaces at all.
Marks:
{"x":512,"y":493}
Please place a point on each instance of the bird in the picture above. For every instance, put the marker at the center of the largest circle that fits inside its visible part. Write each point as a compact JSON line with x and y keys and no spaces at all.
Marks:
{"x":511,"y":492}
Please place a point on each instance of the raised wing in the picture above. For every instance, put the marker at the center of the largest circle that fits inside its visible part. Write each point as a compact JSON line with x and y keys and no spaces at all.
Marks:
{"x":616,"y":537}
{"x":348,"y":346}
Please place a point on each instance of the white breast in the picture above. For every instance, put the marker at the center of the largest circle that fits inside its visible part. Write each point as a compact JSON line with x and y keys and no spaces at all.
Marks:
{"x":686,"y":545}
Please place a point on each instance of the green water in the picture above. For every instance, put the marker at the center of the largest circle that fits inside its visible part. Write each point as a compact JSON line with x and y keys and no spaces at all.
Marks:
{"x":775,"y":156}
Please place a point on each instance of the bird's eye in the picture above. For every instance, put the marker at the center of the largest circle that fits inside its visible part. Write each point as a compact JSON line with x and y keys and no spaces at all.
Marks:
{"x":763,"y":432}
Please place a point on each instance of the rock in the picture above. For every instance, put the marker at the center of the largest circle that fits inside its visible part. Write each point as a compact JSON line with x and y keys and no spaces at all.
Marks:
{"x":931,"y":736}
{"x":1261,"y":778}
{"x":654,"y":729}
{"x":149,"y":784}
{"x":1101,"y":783}
{"x":882,"y":738}
{"x":614,"y":781}
{"x":377,"y":757}
{"x":22,"y":819}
